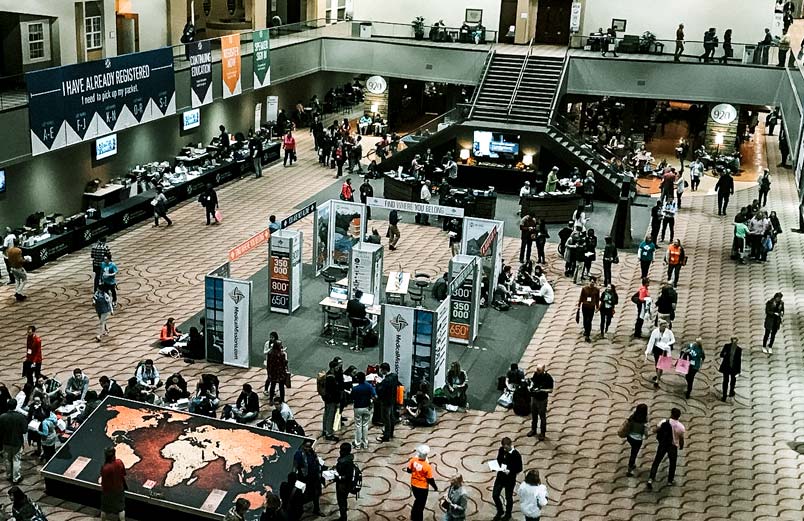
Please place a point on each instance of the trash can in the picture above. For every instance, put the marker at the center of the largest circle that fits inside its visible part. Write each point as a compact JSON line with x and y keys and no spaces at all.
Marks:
{"x":748,"y":54}
{"x":365,"y":29}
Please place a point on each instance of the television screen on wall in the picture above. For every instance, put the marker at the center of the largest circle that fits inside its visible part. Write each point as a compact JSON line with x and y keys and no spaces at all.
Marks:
{"x":494,"y":145}
{"x":105,"y":146}
{"x":191,"y":119}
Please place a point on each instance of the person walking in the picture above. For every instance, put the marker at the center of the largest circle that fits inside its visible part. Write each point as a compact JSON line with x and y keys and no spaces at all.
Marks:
{"x":98,"y":252}
{"x":104,"y":309}
{"x":159,"y":203}
{"x":366,"y":191}
{"x":694,"y":353}
{"x":666,"y":304}
{"x":610,"y":256}
{"x":731,"y":358}
{"x":644,"y":306}
{"x":393,"y":229}
{"x":509,"y":461}
{"x":455,"y":500}
{"x":645,"y":253}
{"x":660,"y":344}
{"x":532,"y":496}
{"x":276,"y":366}
{"x":344,"y":478}
{"x":679,"y":43}
{"x":541,"y":385}
{"x":681,"y":186}
{"x":16,"y":270}
{"x":209,"y":200}
{"x":32,"y":366}
{"x":255,"y":151}
{"x":635,"y":430}
{"x":289,"y":146}
{"x":674,"y":258}
{"x":696,"y":172}
{"x":424,"y":197}
{"x":655,"y":220}
{"x":608,"y":301}
{"x":13,"y":427}
{"x":725,"y":189}
{"x":386,"y":399}
{"x":8,"y":241}
{"x":527,"y":228}
{"x":347,"y":192}
{"x":670,"y":437}
{"x":421,"y":479}
{"x":669,"y":217}
{"x":589,"y":252}
{"x":588,"y":305}
{"x":764,"y":183}
{"x":113,"y":486}
{"x":363,"y":396}
{"x":774,"y":313}
{"x":109,"y":278}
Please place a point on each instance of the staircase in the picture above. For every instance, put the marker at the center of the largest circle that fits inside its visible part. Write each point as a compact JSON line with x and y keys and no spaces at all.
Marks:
{"x":497,"y":88}
{"x":533,"y":99}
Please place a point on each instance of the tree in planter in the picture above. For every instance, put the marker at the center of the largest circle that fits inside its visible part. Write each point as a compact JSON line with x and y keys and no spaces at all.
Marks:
{"x":418,"y":27}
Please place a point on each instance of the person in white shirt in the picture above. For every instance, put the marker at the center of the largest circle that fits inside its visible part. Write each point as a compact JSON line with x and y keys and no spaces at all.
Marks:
{"x":532,"y":496}
{"x":8,"y":241}
{"x":425,"y":196}
{"x":451,"y":169}
{"x":545,"y":294}
{"x":696,"y":171}
{"x":525,"y":190}
{"x":660,"y":344}
{"x":669,"y":217}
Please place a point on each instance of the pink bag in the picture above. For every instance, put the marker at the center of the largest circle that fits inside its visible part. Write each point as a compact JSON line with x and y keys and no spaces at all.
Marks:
{"x":665,"y":363}
{"x":682,"y":366}
{"x":218,"y":216}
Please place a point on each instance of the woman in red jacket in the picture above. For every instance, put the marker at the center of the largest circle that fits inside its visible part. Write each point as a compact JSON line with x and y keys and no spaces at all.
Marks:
{"x":289,"y":144}
{"x":169,"y":334}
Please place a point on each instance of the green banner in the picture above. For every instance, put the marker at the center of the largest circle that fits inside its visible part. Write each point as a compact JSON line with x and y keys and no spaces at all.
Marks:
{"x":262,"y":59}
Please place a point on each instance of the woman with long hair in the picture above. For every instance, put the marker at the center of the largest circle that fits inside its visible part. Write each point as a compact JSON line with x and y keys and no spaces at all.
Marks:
{"x":635,"y":429}
{"x":532,"y":496}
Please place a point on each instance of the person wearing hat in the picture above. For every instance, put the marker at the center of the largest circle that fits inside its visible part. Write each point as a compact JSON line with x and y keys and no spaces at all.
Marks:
{"x":421,"y":479}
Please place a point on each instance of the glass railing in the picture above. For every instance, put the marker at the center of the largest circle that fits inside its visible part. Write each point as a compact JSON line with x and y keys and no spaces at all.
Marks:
{"x":428,"y":129}
{"x":432,"y":34}
{"x":752,"y":54}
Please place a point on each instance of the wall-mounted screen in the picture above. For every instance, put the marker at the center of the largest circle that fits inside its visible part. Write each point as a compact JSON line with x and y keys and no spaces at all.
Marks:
{"x":191,"y":119}
{"x":106,"y":146}
{"x":2,"y":181}
{"x":494,"y":145}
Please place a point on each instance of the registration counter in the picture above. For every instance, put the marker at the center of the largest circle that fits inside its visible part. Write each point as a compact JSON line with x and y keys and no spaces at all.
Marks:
{"x":555,"y":207}
{"x":476,"y":203}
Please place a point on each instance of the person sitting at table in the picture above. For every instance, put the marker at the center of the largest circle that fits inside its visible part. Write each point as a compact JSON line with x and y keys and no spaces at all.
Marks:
{"x":423,"y":413}
{"x":76,"y":386}
{"x":176,"y":388}
{"x":363,"y":123}
{"x":454,"y":390}
{"x":196,"y":349}
{"x":148,"y":376}
{"x":357,"y":314}
{"x":92,"y":403}
{"x":169,"y":334}
{"x":379,"y":124}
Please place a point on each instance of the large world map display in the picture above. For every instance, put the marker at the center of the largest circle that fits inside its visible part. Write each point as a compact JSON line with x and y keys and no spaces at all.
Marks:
{"x":179,"y":458}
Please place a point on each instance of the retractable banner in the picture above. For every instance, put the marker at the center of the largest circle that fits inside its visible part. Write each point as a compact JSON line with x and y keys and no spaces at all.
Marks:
{"x":230,"y":65}
{"x":200,"y":55}
{"x":397,"y":340}
{"x":262,"y":59}
{"x":236,"y":322}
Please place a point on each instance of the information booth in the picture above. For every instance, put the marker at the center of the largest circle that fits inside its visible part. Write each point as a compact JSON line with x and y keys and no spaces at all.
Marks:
{"x":285,"y":270}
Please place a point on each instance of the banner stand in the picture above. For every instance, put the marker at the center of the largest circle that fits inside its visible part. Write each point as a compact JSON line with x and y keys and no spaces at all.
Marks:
{"x":464,"y":290}
{"x":213,"y":312}
{"x":365,"y":269}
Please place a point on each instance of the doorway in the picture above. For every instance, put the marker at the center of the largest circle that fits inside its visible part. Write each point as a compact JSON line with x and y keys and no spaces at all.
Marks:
{"x":553,"y":22}
{"x":128,"y":33}
{"x":507,"y":20}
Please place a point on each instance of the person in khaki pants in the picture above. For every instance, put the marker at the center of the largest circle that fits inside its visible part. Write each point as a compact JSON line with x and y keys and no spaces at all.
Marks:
{"x":393,"y":229}
{"x":363,"y":396}
{"x":13,"y":426}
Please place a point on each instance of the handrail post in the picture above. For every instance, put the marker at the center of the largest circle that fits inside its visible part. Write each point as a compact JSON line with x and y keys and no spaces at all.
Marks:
{"x":476,"y":94}
{"x":521,"y":75}
{"x":558,"y":87}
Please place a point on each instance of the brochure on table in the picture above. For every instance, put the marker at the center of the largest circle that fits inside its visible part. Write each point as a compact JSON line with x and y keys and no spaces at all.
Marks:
{"x":285,"y":271}
{"x":340,"y":226}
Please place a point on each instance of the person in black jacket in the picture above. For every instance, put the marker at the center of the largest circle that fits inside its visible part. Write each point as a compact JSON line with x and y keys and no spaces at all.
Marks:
{"x":209,"y":200}
{"x":386,"y":400}
{"x":609,"y":257}
{"x":255,"y":151}
{"x":344,"y":478}
{"x":730,"y":366}
{"x":541,"y":385}
{"x":109,"y":388}
{"x":247,"y":406}
{"x":510,"y":461}
{"x":724,"y":189}
{"x":366,"y":191}
{"x":774,"y":312}
{"x":332,"y":401}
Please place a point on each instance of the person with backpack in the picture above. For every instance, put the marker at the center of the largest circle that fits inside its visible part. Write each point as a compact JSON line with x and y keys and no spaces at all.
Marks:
{"x":635,"y":430}
{"x":345,"y":473}
{"x":308,"y":469}
{"x":670,"y":437}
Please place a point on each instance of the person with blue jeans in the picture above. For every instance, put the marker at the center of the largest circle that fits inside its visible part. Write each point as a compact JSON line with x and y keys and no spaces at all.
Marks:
{"x":332,"y":400}
{"x":363,"y":396}
{"x":645,"y":254}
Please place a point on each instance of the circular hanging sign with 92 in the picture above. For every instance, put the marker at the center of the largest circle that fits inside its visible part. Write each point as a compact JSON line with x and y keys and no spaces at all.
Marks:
{"x":724,"y":113}
{"x":376,"y":85}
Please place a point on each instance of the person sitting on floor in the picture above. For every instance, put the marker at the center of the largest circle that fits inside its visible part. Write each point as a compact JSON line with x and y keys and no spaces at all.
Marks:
{"x":148,"y":376}
{"x":247,"y":407}
{"x":196,"y":349}
{"x":514,"y":377}
{"x":176,"y":388}
{"x":91,"y":405}
{"x":282,"y":418}
{"x":135,"y":392}
{"x":206,"y":399}
{"x":424,"y":412}
{"x":76,"y":387}
{"x":169,"y":334}
{"x":454,"y":390}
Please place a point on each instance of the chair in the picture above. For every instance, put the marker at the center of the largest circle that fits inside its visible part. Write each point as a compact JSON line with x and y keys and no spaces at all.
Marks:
{"x":422,"y":281}
{"x":416,"y":296}
{"x":333,"y":317}
{"x":330,"y":280}
{"x":359,"y":330}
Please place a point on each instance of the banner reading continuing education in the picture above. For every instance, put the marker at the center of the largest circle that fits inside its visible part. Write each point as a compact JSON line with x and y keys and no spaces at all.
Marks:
{"x":200,"y":55}
{"x":230,"y":65}
{"x":262,"y":59}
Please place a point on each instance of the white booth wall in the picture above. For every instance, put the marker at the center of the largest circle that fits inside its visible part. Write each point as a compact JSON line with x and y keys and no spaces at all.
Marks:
{"x":746,"y":19}
{"x":404,"y":11}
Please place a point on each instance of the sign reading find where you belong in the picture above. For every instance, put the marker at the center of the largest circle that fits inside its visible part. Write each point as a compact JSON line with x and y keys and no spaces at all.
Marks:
{"x":75,"y":103}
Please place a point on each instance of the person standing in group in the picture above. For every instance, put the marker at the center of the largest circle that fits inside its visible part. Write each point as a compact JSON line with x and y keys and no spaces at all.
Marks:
{"x":13,"y":427}
{"x":424,"y":197}
{"x":774,"y":313}
{"x":510,"y":462}
{"x":289,"y":146}
{"x":113,"y":486}
{"x":104,"y":309}
{"x":669,"y":217}
{"x":532,"y":496}
{"x":589,"y":252}
{"x":608,"y":301}
{"x":159,"y":202}
{"x":527,"y":228}
{"x":764,"y":183}
{"x":363,"y":396}
{"x":541,"y":385}
{"x":541,"y":240}
{"x":675,"y":257}
{"x":308,"y":469}
{"x":421,"y":479}
{"x":635,"y":430}
{"x":48,"y":433}
{"x":670,"y":437}
{"x":610,"y":256}
{"x":209,"y":200}
{"x":98,"y":252}
{"x":731,"y":362}
{"x":386,"y":399}
{"x":660,"y":344}
{"x":728,"y":49}
{"x":16,"y":269}
{"x":645,"y":254}
{"x":347,"y":192}
{"x":32,"y":366}
{"x":679,"y":43}
{"x":344,"y":478}
{"x":276,"y":366}
{"x":332,"y":401}
{"x":588,"y":304}
{"x":696,"y":171}
{"x":694,"y":353}
{"x":725,"y":189}
{"x":255,"y":151}
{"x":455,"y":500}
{"x":393,"y":229}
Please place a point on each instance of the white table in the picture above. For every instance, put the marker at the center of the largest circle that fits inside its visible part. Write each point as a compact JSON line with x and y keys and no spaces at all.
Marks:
{"x":331,"y":303}
{"x":397,"y":287}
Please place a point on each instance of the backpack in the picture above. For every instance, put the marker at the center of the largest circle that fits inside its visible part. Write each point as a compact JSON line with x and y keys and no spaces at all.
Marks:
{"x":664,"y":434}
{"x":321,"y":383}
{"x":357,"y":481}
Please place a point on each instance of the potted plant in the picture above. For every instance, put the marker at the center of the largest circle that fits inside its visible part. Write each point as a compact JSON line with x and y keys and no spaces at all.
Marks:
{"x":418,"y":27}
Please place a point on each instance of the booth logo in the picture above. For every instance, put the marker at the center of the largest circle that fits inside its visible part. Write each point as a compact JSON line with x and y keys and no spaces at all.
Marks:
{"x":376,"y":85}
{"x":44,"y":254}
{"x":126,"y":218}
{"x":236,"y":295}
{"x":399,"y":323}
{"x":107,"y":63}
{"x":87,"y":235}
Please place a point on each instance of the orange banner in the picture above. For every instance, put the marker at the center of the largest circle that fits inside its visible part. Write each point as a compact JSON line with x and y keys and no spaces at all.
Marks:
{"x":230,"y":65}
{"x":245,"y":247}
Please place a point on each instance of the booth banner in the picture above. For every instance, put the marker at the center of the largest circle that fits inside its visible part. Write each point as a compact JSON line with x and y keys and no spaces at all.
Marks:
{"x":200,"y":56}
{"x":360,"y":275}
{"x":262,"y":59}
{"x":348,"y":228}
{"x":248,"y":245}
{"x":321,"y":255}
{"x":575,"y":16}
{"x":271,"y":109}
{"x":257,"y":115}
{"x":397,"y":340}
{"x":298,"y":216}
{"x":461,"y":312}
{"x":236,"y":322}
{"x":441,"y":344}
{"x":230,"y":65}
{"x":75,"y":103}
{"x":484,"y":238}
{"x":408,"y":206}
{"x":279,"y":270}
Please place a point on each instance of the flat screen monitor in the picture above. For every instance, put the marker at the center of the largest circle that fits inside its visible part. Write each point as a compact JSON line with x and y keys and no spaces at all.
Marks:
{"x":191,"y":119}
{"x":105,"y":146}
{"x":367,"y":299}
{"x":339,"y":293}
{"x":2,"y":181}
{"x":495,"y":145}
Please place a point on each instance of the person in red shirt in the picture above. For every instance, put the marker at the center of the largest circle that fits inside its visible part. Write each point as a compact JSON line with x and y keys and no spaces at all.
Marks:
{"x":113,"y":487}
{"x":33,"y":356}
{"x":347,"y":192}
{"x":289,"y":144}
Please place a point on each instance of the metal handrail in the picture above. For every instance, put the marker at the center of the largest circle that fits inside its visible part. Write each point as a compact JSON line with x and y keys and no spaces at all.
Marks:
{"x":580,"y":142}
{"x":557,"y":94}
{"x":521,"y":75}
{"x":486,"y":67}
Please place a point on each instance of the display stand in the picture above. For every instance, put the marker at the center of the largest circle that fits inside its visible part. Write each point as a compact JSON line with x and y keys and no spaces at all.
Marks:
{"x":213,"y":312}
{"x":464,"y":290}
{"x":365,"y":269}
{"x":340,"y":226}
{"x":484,"y":238}
{"x":285,"y":271}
